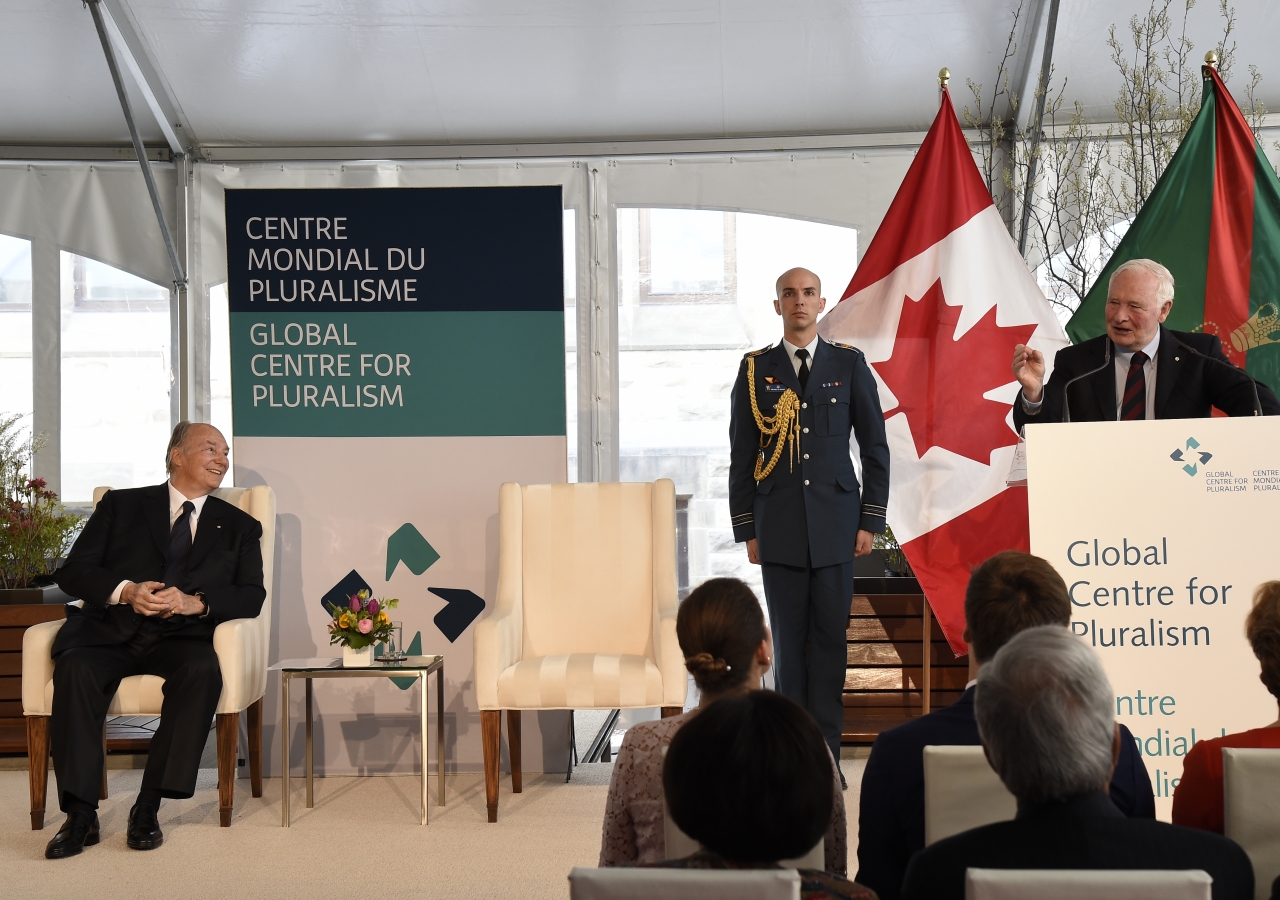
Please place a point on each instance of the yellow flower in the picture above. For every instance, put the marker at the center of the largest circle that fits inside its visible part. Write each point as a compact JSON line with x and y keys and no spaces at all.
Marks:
{"x":383,"y":619}
{"x":344,"y":621}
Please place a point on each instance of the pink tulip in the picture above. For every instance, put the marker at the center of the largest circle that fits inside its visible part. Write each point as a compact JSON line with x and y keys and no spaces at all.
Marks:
{"x":373,"y":608}
{"x":365,"y":626}
{"x":355,"y":603}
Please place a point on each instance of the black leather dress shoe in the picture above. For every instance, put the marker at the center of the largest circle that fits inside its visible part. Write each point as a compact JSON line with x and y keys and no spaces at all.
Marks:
{"x":144,"y":828}
{"x":79,"y":831}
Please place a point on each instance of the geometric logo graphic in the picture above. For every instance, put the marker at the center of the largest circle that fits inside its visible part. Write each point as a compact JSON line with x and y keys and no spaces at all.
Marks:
{"x":1191,"y":457}
{"x":463,"y":607}
{"x":408,"y":545}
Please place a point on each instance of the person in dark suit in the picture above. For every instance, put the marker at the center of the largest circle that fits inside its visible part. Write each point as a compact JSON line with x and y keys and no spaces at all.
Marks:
{"x":1007,"y":594}
{"x":157,"y":568}
{"x":1046,"y":714}
{"x":794,"y":495}
{"x":1156,"y":373}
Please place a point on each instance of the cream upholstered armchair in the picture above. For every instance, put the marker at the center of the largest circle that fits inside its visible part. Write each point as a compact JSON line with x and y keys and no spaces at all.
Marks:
{"x":586,"y":611}
{"x":241,"y":645}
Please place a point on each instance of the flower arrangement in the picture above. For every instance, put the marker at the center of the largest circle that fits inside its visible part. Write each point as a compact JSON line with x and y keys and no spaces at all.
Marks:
{"x":36,"y":531}
{"x":362,"y":622}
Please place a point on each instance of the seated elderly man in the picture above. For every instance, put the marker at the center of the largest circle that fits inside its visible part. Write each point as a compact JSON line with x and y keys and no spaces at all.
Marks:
{"x":157,"y":568}
{"x":1045,"y":714}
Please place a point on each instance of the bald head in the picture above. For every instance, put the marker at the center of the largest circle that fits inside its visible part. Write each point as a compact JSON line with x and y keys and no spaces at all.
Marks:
{"x":798,"y":277}
{"x":800,"y":303}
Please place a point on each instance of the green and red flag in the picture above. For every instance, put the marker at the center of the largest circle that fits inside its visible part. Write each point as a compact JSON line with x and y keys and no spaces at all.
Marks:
{"x":1214,"y":220}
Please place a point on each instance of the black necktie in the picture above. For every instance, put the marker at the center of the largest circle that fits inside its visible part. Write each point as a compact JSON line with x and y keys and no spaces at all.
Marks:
{"x":803,"y":356}
{"x":1134,"y":404}
{"x":175,"y":561}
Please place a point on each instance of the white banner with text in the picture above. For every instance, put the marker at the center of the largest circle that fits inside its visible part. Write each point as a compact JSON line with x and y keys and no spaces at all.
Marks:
{"x":1162,"y":530}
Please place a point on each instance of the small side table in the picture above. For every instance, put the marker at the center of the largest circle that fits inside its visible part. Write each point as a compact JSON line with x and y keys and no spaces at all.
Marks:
{"x":309,"y":669}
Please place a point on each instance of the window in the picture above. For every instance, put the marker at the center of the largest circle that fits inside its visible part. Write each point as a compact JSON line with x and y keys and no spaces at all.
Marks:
{"x":571,"y":340}
{"x":116,"y":378}
{"x":15,"y":329}
{"x":696,"y":290}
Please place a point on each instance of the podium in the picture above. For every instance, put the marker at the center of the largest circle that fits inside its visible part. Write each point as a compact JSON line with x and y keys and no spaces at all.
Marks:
{"x":1162,"y":530}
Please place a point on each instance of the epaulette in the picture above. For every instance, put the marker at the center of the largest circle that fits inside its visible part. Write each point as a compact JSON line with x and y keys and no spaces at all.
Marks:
{"x":844,"y":346}
{"x":758,"y":352}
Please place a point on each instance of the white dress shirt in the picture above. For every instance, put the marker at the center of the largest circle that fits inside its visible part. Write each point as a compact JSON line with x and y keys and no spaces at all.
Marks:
{"x":1123,"y":359}
{"x":791,"y":354}
{"x":175,"y":509}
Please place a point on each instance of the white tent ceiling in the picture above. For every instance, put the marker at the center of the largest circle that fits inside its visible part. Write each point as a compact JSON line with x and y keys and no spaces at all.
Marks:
{"x":305,"y":72}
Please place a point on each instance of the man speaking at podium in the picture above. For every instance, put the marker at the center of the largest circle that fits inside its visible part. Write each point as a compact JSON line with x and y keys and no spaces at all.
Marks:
{"x":1140,"y":369}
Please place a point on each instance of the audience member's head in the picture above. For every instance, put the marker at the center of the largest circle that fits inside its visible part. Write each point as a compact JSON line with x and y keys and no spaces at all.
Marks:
{"x":1045,"y":715}
{"x":1262,"y":628}
{"x":749,"y":778}
{"x":1009,"y":593}
{"x":722,"y":633}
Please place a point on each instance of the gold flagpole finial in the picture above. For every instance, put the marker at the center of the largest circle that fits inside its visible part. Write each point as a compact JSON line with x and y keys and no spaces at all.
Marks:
{"x":1211,"y":58}
{"x":944,"y":75}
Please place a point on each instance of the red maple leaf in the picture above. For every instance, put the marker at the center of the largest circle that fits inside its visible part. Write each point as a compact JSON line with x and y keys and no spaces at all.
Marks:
{"x":939,"y":381}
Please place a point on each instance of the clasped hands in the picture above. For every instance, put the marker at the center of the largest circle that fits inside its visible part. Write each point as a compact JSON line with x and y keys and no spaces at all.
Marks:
{"x":152,"y":598}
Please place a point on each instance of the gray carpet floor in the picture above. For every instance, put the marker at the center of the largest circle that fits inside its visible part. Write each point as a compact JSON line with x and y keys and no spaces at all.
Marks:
{"x":361,"y":840}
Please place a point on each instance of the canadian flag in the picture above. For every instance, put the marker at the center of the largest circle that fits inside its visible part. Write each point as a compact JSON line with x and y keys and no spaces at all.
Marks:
{"x":937,"y":305}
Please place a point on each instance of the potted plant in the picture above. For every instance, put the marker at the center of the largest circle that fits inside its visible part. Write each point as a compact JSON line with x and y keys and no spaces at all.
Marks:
{"x":359,"y":625}
{"x":895,"y":561}
{"x":35,"y":530}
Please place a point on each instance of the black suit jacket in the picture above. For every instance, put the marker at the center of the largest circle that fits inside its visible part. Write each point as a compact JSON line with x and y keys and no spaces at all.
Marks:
{"x":126,"y":537}
{"x":1187,"y":387}
{"x":812,"y":512}
{"x":1085,"y":832}
{"x":891,"y":808}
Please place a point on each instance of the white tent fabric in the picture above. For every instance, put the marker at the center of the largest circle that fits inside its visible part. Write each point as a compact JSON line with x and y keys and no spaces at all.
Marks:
{"x":429,"y":71}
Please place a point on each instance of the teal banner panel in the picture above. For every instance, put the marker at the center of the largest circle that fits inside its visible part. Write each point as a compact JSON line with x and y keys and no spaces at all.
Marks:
{"x":420,"y":374}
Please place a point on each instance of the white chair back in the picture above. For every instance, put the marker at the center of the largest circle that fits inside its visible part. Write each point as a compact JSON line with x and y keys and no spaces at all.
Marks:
{"x":683,"y":884}
{"x":962,"y":791}
{"x":1087,"y":884}
{"x":1251,"y":803}
{"x":591,"y":555}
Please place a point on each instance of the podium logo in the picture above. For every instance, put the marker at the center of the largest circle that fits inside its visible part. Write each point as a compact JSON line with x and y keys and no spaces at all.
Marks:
{"x":1191,"y":456}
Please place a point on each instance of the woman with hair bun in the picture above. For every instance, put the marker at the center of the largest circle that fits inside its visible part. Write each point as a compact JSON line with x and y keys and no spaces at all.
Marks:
{"x":1197,"y":799}
{"x":727,"y":649}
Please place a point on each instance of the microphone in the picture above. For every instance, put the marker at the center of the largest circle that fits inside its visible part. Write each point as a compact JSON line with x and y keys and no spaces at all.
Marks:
{"x":1066,"y":390}
{"x":1253,"y":382}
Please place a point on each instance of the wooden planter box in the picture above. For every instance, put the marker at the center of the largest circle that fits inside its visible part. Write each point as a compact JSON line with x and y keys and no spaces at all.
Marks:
{"x":892,"y":672}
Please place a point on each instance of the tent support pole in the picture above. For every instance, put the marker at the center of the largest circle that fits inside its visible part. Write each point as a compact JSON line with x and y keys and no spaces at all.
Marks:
{"x":1042,"y":91}
{"x":179,"y":278}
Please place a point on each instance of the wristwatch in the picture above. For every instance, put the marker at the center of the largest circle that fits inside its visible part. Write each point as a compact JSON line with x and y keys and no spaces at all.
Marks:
{"x":207,"y":608}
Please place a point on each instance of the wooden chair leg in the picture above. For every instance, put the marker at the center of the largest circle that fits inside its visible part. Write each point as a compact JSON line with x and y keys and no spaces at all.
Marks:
{"x":255,"y":747}
{"x":38,"y":767}
{"x":104,"y":763}
{"x":669,"y":711}
{"x":228,"y":731}
{"x":513,"y":744}
{"x":491,"y":738}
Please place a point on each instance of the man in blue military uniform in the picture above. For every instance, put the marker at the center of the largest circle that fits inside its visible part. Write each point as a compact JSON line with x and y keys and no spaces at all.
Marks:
{"x":794,"y":495}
